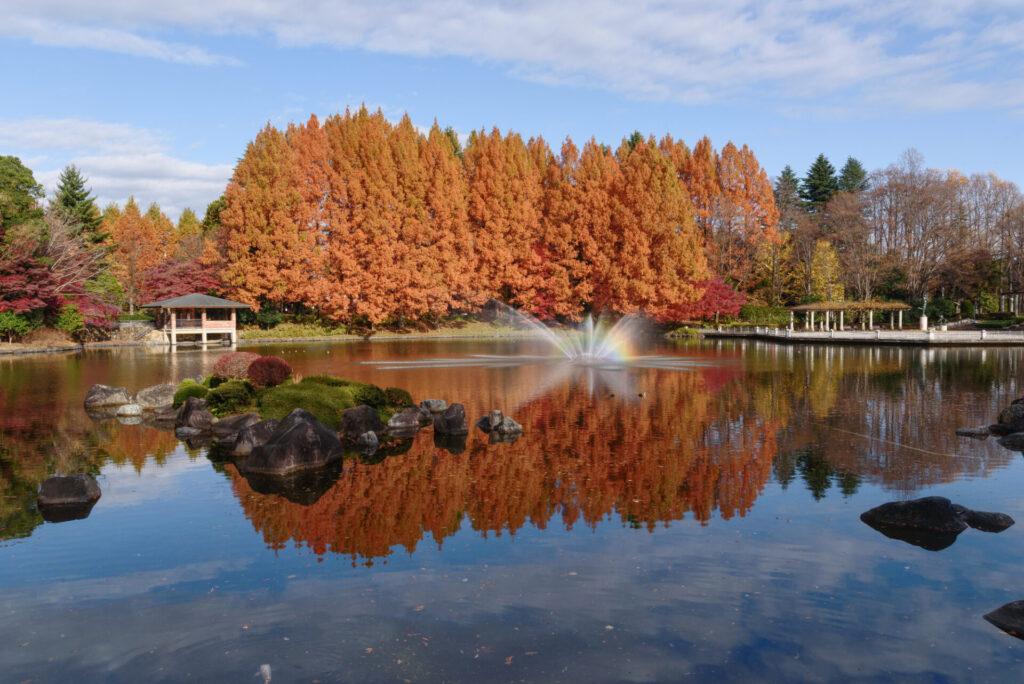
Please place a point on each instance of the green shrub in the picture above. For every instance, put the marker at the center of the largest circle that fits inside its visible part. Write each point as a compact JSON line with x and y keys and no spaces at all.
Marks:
{"x":69,"y":319}
{"x":268,"y":316}
{"x":777,"y":316}
{"x":187,"y":389}
{"x":371,"y":395}
{"x":967,"y":309}
{"x":14,"y":325}
{"x":397,"y":396}
{"x":324,"y":401}
{"x":233,"y":396}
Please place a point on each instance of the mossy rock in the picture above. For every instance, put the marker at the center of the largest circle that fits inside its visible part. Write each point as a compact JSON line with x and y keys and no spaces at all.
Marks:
{"x":233,"y":396}
{"x":398,"y":397}
{"x":325,"y":401}
{"x":189,"y":388}
{"x":371,"y":395}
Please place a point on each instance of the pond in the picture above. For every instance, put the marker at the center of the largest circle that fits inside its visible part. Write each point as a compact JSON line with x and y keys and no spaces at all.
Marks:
{"x":692,"y":522}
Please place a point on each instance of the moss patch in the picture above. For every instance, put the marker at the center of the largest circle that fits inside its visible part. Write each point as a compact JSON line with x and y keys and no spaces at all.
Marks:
{"x":233,"y":396}
{"x":187,"y":389}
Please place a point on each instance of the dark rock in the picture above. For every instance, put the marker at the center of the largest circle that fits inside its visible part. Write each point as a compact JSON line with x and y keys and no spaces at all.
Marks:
{"x":225,"y":431}
{"x":987,"y":522}
{"x":434,"y":405}
{"x":1019,"y":400}
{"x":1006,"y":428}
{"x":490,"y":421}
{"x":453,"y":444}
{"x":155,"y":397}
{"x":408,"y":421}
{"x":508,"y":426}
{"x":71,"y":490}
{"x":128,"y":410}
{"x":1009,"y":618}
{"x":1011,"y":413}
{"x":300,"y":442}
{"x":980,"y":432}
{"x":1014,"y":441}
{"x":932,"y":523}
{"x":358,"y":420}
{"x":193,"y":413}
{"x":451,"y":421}
{"x":165,"y":414}
{"x":105,"y":395}
{"x":253,"y":436}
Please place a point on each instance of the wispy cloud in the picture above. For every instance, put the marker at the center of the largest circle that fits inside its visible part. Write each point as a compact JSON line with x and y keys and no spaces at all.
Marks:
{"x":58,"y":34}
{"x":119,"y":160}
{"x":732,"y":50}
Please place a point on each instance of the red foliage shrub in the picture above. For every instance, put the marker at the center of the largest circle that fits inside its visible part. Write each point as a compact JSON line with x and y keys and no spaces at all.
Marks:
{"x":268,"y":371}
{"x":234,"y":365}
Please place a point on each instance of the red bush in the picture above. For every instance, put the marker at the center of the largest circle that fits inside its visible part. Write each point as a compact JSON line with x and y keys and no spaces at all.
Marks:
{"x":268,"y":371}
{"x":234,"y":365}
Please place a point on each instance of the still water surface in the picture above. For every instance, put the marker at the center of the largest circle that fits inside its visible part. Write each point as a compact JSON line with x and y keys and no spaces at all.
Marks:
{"x":708,"y":530}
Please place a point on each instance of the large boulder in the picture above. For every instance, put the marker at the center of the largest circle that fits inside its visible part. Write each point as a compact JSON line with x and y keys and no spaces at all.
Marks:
{"x":932,"y":523}
{"x":408,"y":421}
{"x":64,"y":491}
{"x":253,"y":436}
{"x":194,"y":414}
{"x":359,"y":420}
{"x":1012,"y":413}
{"x":434,"y":405}
{"x":300,"y":442}
{"x":451,"y":421}
{"x":67,"y":498}
{"x":1009,"y":618}
{"x":105,"y":395}
{"x":155,"y":397}
{"x":225,"y":431}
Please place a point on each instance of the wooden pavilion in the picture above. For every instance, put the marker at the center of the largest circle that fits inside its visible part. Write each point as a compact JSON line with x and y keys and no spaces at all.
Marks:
{"x":832,"y":314}
{"x":197,"y":315}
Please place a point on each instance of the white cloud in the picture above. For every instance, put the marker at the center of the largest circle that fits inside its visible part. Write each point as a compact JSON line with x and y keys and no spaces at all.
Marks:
{"x":813,"y":51}
{"x":119,"y":160}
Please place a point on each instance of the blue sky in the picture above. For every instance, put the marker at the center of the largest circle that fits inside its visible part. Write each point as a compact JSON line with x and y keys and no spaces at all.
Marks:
{"x":158,"y":100}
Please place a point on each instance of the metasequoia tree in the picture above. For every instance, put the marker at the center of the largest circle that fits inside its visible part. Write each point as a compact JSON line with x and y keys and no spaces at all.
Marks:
{"x":137,"y":246}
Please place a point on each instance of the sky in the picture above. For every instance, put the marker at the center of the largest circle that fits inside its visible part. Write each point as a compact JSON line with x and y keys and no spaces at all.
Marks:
{"x":158,"y":100}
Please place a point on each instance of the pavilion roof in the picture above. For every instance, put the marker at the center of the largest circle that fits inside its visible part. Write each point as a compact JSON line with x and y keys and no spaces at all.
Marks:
{"x":196,"y":301}
{"x":852,"y":306}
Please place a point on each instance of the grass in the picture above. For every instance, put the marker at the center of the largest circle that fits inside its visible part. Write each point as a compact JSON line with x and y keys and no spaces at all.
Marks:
{"x":456,"y":327}
{"x":324,"y":396}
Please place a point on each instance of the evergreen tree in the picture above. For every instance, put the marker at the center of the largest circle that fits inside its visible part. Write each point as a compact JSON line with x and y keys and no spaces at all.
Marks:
{"x":78,"y":205}
{"x":853,"y":177}
{"x":819,"y":184}
{"x":787,"y":190}
{"x":211,"y":221}
{"x":634,"y":139}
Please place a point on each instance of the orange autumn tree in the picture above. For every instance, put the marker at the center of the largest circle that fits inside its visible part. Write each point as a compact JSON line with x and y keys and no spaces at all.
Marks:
{"x":138,"y":243}
{"x":260,"y":252}
{"x":504,"y":192}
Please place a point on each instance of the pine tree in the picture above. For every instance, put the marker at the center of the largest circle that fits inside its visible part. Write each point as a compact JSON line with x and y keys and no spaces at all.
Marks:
{"x":77,"y":203}
{"x":819,"y":184}
{"x":853,"y":177}
{"x":787,"y":190}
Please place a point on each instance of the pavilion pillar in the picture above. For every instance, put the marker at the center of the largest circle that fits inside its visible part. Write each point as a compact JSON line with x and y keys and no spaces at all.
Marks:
{"x":863,"y":321}
{"x":840,"y":320}
{"x":871,"y":320}
{"x":791,"y":321}
{"x":174,"y":327}
{"x":901,"y":319}
{"x":202,"y":325}
{"x":891,"y":326}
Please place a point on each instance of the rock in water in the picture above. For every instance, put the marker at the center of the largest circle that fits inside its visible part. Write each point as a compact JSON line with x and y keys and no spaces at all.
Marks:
{"x":434,"y":405}
{"x":451,"y":421}
{"x":253,"y":436}
{"x":129,"y":410}
{"x":980,"y":432}
{"x":987,"y":522}
{"x":105,"y":395}
{"x":74,"y":489}
{"x":1012,"y":413}
{"x":359,"y":420}
{"x":225,"y":431}
{"x":67,"y":498}
{"x":368,"y":442}
{"x":1009,"y":618}
{"x":155,"y":397}
{"x":194,"y":414}
{"x":408,"y":421}
{"x":507,"y":426}
{"x":929,"y":513}
{"x":300,"y":442}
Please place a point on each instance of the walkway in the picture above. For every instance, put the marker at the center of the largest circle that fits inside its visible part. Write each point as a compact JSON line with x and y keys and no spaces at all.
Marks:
{"x":973,"y":338}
